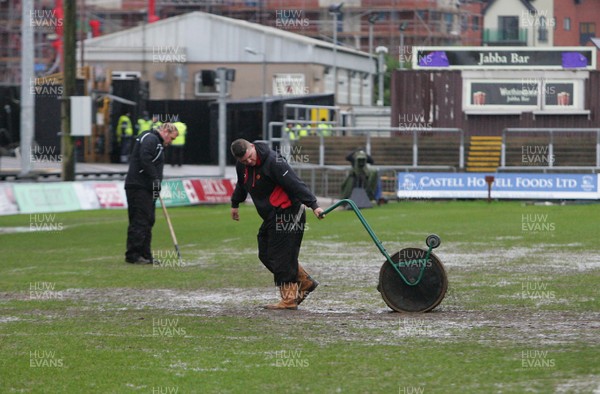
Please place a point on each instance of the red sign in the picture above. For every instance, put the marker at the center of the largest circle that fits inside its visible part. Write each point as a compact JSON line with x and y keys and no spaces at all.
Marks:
{"x":110,"y":195}
{"x":209,"y":190}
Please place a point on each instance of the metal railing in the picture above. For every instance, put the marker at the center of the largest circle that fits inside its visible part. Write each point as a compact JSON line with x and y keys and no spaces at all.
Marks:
{"x":326,"y":181}
{"x":504,"y":35}
{"x":296,"y":108}
{"x":550,"y":154}
{"x":284,"y":139}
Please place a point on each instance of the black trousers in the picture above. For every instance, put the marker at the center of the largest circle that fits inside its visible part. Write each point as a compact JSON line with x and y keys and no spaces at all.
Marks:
{"x":279,"y":241}
{"x":176,"y":155}
{"x":141,"y":212}
{"x":126,"y":148}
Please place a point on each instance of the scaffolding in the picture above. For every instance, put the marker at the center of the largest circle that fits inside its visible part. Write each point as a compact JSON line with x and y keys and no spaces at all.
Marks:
{"x":10,"y":37}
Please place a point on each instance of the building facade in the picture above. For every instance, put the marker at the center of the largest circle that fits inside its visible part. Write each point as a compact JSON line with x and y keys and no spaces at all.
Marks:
{"x":576,"y":22}
{"x":177,"y":55}
{"x":519,"y":23}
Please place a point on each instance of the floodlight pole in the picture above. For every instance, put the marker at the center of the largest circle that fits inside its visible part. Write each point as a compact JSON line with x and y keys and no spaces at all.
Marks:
{"x":222,"y":75}
{"x":372,"y":20}
{"x":27,"y":81}
{"x":335,"y":10}
{"x":381,"y":51}
{"x":335,"y":80}
{"x":403,"y":26}
{"x":69,"y":90}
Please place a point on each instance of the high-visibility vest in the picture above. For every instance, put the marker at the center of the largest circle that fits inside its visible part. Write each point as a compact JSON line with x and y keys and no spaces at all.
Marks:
{"x":301,"y":130}
{"x":324,"y":129}
{"x":291,"y":134}
{"x":124,"y":127}
{"x":144,"y":125}
{"x":182,"y":129}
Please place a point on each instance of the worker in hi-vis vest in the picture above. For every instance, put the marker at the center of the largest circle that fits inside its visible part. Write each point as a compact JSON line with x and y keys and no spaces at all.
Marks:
{"x":144,"y":123}
{"x":324,"y":128}
{"x":290,"y":131}
{"x":155,"y":121}
{"x":301,"y":130}
{"x":178,"y":144}
{"x":125,"y":136}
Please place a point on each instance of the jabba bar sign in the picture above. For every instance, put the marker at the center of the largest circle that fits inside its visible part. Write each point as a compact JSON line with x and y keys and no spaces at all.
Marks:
{"x":556,"y":58}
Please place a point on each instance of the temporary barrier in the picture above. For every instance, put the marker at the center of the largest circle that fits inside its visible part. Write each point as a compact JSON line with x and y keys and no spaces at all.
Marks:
{"x":18,"y":198}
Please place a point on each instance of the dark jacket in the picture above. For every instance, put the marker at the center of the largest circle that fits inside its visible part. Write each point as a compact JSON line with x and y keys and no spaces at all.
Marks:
{"x":146,"y":161}
{"x":272,"y":184}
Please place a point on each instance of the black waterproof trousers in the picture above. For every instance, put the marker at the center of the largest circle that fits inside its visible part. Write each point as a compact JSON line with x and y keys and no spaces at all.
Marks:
{"x":279,"y":241}
{"x":141,"y":210}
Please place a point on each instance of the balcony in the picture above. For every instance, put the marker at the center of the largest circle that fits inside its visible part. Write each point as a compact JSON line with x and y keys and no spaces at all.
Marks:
{"x":504,"y":37}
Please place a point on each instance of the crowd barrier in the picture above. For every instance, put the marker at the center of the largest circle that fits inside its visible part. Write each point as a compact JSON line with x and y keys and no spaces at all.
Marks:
{"x":42,"y":197}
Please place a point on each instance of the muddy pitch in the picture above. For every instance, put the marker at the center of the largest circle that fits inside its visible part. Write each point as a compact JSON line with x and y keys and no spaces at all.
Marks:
{"x":348,"y":306}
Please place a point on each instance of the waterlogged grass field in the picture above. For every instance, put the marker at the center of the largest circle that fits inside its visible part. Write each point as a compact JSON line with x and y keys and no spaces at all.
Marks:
{"x":522,"y":312}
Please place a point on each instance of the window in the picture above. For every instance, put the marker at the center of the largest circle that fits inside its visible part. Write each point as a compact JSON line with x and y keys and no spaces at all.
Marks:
{"x":512,"y":95}
{"x":567,"y":24}
{"x":509,"y":28}
{"x":205,"y":83}
{"x":475,"y":21}
{"x":586,"y":31}
{"x":464,"y":22}
{"x":433,"y":20}
{"x":448,"y":22}
{"x":543,"y":30}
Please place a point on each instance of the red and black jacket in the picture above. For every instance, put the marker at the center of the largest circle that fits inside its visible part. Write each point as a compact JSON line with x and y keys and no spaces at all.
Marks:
{"x":272,"y":184}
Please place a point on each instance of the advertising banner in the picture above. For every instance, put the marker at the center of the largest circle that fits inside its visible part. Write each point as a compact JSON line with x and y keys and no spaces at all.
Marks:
{"x":553,"y":58}
{"x":213,"y":190}
{"x":73,"y":196}
{"x":173,"y":193}
{"x":8,"y":203}
{"x":111,"y":194}
{"x":196,"y":191}
{"x":46,"y":197}
{"x":505,"y":185}
{"x":86,"y":195}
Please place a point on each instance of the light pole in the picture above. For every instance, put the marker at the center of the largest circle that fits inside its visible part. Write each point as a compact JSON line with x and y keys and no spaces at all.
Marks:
{"x":335,"y":10}
{"x":403,"y":26}
{"x":252,"y":51}
{"x":381,"y":51}
{"x":27,"y":80}
{"x":372,"y":19}
{"x":222,"y":75}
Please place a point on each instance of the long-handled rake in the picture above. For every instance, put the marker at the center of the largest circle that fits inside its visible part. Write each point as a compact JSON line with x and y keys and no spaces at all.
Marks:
{"x":164,"y":208}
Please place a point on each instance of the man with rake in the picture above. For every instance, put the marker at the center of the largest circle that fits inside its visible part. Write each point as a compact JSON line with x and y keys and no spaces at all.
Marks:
{"x":142,"y":186}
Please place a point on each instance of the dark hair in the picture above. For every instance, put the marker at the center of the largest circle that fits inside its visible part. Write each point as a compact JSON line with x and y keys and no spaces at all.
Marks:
{"x":239,"y":147}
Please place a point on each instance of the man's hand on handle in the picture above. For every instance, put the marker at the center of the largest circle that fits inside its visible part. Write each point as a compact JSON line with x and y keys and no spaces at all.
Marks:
{"x":319,"y":213}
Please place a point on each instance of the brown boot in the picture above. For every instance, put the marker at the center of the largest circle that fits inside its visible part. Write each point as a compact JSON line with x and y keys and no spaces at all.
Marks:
{"x":289,"y":293}
{"x":306,"y":284}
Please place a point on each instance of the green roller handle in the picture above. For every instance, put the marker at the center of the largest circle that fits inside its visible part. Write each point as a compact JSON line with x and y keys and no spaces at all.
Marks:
{"x":378,"y":243}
